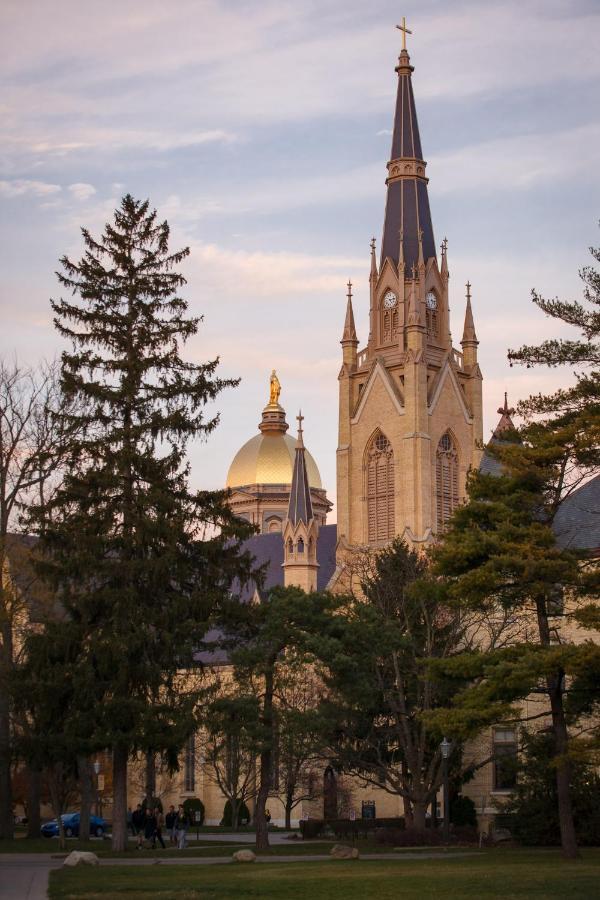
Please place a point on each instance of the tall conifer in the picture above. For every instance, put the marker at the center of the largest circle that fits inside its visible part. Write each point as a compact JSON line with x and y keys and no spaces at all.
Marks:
{"x":138,"y":558}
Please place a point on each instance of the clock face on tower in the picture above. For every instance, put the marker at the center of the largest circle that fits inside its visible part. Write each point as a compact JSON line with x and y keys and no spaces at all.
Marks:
{"x":431,"y":300}
{"x":389,"y":301}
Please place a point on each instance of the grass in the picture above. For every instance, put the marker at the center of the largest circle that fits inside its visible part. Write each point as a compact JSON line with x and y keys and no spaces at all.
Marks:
{"x":195,"y":848}
{"x":505,"y":874}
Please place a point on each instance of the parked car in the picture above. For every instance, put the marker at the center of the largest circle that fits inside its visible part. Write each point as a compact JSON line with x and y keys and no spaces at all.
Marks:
{"x":71,"y":825}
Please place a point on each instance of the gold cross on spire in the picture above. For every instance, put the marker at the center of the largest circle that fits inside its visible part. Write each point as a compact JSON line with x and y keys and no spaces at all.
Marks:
{"x":300,"y":418}
{"x":404,"y":31}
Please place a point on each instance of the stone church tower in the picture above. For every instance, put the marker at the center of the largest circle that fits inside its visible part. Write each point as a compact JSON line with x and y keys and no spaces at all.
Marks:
{"x":410,"y":404}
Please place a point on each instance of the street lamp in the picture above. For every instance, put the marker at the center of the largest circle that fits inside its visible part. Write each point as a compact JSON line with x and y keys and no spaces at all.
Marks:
{"x":97,"y":768}
{"x":445,"y":748}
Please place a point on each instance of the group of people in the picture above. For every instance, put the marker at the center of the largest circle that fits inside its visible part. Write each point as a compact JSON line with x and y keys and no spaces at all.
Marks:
{"x":147,"y":825}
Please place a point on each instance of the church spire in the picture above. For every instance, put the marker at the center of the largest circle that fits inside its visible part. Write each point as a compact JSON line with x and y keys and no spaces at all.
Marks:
{"x":407,"y":206}
{"x":300,"y":507}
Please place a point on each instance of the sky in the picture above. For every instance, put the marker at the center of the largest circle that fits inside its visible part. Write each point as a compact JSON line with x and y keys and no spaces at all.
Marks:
{"x":261,"y":131}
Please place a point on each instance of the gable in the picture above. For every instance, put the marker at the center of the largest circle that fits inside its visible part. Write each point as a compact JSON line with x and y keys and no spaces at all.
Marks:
{"x":378,"y":372}
{"x":447,"y":376}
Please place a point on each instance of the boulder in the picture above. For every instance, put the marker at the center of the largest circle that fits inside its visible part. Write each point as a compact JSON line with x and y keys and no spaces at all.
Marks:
{"x":83,"y":857}
{"x":244,"y":856}
{"x":341,"y":851}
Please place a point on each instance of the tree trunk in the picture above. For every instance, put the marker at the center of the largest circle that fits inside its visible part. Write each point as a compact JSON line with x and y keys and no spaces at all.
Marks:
{"x":289,"y":800}
{"x":34,"y":791}
{"x":568,"y":836}
{"x":260,"y":819}
{"x":150,"y":787}
{"x":86,"y":793}
{"x":408,"y":813}
{"x":419,"y":815}
{"x":6,"y":801}
{"x":119,"y":825}
{"x":235,"y":813}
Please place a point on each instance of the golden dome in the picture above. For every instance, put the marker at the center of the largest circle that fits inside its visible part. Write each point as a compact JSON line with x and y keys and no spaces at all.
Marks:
{"x":268,"y":458}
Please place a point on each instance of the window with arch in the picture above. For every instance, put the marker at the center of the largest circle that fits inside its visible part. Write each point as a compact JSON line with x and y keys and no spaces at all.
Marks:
{"x":446,"y":479}
{"x":300,"y":546}
{"x":389,"y":330}
{"x":380,"y":489}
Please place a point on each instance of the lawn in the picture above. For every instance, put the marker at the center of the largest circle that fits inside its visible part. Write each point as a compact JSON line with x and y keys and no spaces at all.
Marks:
{"x":195,"y":848}
{"x":504,"y":873}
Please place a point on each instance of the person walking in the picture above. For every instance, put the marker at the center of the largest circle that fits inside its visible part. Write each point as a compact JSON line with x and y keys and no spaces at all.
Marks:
{"x":171,"y":824}
{"x":149,"y":832}
{"x":183,"y":823}
{"x":160,"y":821}
{"x":137,"y":819}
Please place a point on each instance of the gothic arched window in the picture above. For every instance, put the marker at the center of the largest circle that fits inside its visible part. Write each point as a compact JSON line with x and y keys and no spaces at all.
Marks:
{"x":380,"y":489}
{"x":446,"y":480}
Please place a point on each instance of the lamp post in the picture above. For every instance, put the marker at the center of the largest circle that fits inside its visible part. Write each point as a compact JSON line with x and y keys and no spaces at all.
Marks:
{"x":445,"y":748}
{"x":97,"y":773}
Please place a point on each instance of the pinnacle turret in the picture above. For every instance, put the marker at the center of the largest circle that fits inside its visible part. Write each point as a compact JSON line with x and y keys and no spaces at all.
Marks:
{"x":349,"y":333}
{"x":469,"y":336}
{"x":505,"y":424}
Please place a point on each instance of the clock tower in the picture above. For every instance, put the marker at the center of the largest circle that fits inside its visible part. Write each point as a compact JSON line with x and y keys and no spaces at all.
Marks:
{"x":410,"y":404}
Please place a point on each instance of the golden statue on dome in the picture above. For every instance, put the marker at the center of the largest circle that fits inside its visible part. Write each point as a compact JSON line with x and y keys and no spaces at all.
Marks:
{"x":275,"y":389}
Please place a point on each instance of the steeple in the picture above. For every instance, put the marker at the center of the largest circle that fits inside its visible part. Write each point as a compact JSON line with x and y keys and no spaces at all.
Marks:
{"x":300,"y":508}
{"x":407,"y":206}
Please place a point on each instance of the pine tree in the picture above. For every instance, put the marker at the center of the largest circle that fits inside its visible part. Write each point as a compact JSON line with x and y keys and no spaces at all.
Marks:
{"x":501,"y":552}
{"x":137,"y":558}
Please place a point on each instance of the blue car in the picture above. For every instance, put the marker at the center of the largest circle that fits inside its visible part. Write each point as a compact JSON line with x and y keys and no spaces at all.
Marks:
{"x":71,"y":826}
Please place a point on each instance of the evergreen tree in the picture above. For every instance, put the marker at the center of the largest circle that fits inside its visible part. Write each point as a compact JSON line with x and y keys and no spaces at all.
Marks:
{"x":501,"y":552}
{"x":138,"y":558}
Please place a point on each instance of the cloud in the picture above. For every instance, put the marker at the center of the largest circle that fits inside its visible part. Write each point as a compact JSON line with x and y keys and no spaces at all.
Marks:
{"x":82,"y":191}
{"x":19,"y":186}
{"x":522,"y":161}
{"x":384,"y":131}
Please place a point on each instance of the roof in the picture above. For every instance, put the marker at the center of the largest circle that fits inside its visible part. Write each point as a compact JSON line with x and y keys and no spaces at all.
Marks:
{"x":407,"y":205}
{"x":577,"y":522}
{"x":267,"y":550}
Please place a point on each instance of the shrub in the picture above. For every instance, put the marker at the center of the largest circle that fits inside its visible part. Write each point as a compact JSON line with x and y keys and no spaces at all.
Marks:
{"x":243,"y":815}
{"x":399,"y":837}
{"x":311,"y":828}
{"x":191,"y":806}
{"x":463,"y":812}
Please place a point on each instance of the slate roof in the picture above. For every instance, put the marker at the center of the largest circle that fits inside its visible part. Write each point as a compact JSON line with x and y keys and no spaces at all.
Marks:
{"x":407,"y":205}
{"x":577,"y":523}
